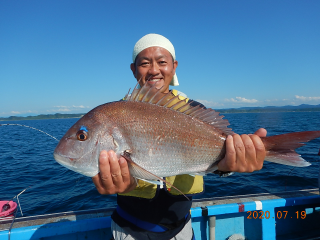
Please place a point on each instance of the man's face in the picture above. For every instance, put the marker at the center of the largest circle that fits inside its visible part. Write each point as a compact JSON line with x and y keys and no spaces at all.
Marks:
{"x":154,"y":65}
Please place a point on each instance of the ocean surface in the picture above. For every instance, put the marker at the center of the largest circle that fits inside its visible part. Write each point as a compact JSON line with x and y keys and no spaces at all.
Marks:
{"x":26,"y":158}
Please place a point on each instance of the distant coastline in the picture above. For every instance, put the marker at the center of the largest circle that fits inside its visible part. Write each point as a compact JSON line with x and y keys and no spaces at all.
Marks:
{"x":235,"y":110}
{"x":43,"y":116}
{"x":269,"y":109}
{"x":289,"y":108}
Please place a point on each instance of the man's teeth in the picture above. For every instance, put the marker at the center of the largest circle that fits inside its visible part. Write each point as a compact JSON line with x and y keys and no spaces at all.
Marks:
{"x":154,"y":80}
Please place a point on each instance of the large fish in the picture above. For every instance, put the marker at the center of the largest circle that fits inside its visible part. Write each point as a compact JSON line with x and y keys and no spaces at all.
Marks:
{"x":161,"y":135}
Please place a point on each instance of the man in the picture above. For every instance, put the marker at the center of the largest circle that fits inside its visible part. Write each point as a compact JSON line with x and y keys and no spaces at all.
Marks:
{"x":147,"y":211}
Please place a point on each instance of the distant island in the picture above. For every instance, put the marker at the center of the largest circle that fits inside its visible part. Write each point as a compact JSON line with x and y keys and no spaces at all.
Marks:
{"x":288,"y":108}
{"x":44,"y":116}
{"x":300,"y":108}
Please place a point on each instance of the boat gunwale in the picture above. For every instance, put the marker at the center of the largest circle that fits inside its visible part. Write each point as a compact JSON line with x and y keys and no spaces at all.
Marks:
{"x":203,"y":202}
{"x":106,"y":212}
{"x":55,"y":217}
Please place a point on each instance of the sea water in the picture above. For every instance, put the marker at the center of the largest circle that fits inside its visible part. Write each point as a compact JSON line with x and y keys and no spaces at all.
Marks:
{"x":26,"y":158}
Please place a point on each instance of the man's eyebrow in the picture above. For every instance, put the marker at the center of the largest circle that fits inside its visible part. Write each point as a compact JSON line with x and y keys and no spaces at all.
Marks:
{"x":144,"y":58}
{"x":149,"y":59}
{"x":161,"y":56}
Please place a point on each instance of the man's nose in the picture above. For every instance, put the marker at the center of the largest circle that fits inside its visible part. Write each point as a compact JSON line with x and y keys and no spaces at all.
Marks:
{"x":154,"y":69}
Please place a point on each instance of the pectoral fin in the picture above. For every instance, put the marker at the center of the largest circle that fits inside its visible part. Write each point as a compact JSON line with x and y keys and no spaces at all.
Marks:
{"x":141,"y":173}
{"x":151,"y":181}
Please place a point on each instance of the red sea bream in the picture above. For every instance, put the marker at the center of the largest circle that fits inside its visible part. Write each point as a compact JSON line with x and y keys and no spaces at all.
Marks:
{"x":161,"y":135}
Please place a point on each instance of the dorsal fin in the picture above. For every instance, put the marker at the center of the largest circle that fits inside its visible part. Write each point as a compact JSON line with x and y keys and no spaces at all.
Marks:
{"x":153,"y":95}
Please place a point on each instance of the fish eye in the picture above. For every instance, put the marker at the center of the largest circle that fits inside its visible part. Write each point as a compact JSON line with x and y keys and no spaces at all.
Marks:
{"x":82,"y":135}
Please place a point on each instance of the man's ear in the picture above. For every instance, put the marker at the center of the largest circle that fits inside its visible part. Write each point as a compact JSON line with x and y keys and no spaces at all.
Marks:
{"x":175,"y":65}
{"x":133,"y":69}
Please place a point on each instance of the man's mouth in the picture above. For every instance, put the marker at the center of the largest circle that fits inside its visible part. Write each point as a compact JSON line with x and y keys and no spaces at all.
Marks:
{"x":154,"y":80}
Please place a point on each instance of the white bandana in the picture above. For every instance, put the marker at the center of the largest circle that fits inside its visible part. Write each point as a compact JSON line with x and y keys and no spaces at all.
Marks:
{"x":155,"y":40}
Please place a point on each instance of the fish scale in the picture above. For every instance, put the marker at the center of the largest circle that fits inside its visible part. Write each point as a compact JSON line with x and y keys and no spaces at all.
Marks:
{"x":181,"y":146}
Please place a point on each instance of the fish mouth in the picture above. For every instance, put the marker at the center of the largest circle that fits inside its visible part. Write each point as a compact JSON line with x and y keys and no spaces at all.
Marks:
{"x":63,"y":158}
{"x":70,"y":164}
{"x":79,"y":163}
{"x":65,"y":161}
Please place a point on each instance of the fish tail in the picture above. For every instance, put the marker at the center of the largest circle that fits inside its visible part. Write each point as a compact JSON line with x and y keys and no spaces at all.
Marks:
{"x":281,"y":148}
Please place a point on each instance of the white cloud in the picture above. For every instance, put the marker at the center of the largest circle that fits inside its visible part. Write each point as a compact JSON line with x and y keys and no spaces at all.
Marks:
{"x":81,"y":106}
{"x":241,"y":100}
{"x":69,"y":108}
{"x":209,"y":103}
{"x":14,"y":113}
{"x":59,"y":106}
{"x":55,"y":109}
{"x":20,"y":112}
{"x":302,"y":98}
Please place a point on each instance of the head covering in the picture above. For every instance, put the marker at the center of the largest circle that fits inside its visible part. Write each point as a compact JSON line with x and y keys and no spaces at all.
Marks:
{"x":155,"y":40}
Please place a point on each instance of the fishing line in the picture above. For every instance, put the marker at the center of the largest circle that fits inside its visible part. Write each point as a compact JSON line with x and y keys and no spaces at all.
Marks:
{"x":41,"y":183}
{"x":21,"y":125}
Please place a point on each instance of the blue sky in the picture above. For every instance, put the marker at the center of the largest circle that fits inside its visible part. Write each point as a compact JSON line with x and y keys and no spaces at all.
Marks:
{"x":70,"y":56}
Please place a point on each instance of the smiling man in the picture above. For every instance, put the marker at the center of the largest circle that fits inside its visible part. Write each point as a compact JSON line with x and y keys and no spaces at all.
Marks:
{"x":155,"y":65}
{"x":149,"y":211}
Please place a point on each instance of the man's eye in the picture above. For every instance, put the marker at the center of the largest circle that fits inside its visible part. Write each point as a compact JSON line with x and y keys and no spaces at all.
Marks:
{"x":144,"y":64}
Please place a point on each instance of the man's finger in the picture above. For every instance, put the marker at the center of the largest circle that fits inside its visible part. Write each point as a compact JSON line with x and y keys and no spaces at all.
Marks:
{"x":124,"y":170}
{"x":229,"y":161}
{"x":240,"y":152}
{"x":115,"y":170}
{"x":260,"y":151}
{"x":250,"y":153}
{"x":102,"y":180}
{"x":261,"y":132}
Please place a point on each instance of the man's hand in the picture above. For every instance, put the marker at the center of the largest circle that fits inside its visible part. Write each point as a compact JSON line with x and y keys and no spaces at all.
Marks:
{"x":114,"y":176}
{"x":244,"y":153}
